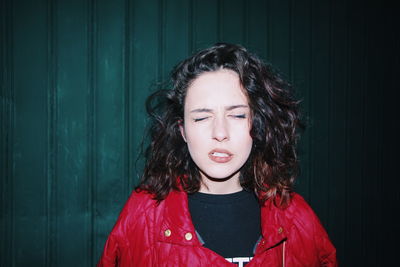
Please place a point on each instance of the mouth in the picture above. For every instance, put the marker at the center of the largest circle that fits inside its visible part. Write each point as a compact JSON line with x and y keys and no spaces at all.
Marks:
{"x":220,"y":155}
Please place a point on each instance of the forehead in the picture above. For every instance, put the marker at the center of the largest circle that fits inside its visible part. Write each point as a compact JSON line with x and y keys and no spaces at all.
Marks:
{"x":214,"y":89}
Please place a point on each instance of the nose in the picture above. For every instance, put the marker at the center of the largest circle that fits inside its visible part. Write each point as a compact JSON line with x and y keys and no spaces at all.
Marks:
{"x":220,"y":130}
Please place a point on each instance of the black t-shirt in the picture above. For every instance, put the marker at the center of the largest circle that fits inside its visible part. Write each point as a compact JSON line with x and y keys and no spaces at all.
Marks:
{"x":227,"y":224}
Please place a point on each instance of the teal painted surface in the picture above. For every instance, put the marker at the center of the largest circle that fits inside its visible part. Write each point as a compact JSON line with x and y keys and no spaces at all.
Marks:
{"x":75,"y":75}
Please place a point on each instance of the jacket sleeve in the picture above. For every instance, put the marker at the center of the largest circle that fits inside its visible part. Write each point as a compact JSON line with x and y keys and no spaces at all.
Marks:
{"x":326,"y":252}
{"x":111,"y":253}
{"x":129,"y":234}
{"x":325,"y":248}
{"x":312,"y":236}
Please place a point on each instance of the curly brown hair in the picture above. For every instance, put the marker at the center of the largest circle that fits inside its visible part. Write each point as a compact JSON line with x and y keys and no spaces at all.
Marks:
{"x":272,"y":165}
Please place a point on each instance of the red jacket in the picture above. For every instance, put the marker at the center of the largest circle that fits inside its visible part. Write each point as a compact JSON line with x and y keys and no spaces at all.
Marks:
{"x":147,"y":234}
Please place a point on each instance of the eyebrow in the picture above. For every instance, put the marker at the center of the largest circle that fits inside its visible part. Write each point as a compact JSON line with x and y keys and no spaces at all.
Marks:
{"x":235,"y":107}
{"x":229,"y":108}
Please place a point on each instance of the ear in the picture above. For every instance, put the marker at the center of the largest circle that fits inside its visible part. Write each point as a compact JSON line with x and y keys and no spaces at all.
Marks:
{"x":182,"y":130}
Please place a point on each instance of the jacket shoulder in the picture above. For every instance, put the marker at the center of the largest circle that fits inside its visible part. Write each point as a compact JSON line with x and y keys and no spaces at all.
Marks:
{"x":138,"y":205}
{"x":300,"y":214}
{"x":299,"y":205}
{"x":139,"y":201}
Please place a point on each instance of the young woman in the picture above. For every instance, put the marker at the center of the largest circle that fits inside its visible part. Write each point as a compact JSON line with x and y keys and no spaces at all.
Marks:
{"x":217,"y":185}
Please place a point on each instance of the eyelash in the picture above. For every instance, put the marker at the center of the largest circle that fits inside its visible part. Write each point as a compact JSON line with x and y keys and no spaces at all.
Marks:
{"x":241,"y":116}
{"x":199,"y":119}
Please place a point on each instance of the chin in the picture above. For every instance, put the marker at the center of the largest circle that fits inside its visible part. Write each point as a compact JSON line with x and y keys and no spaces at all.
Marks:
{"x":220,"y":175}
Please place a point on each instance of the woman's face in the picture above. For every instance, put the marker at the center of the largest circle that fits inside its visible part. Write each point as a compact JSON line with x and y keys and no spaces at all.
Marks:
{"x":216,"y":127}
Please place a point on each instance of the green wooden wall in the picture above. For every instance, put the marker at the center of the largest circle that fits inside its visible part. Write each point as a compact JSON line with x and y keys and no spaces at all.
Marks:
{"x":75,"y":74}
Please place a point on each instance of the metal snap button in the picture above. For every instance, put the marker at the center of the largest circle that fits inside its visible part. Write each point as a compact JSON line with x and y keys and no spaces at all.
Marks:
{"x":167,"y":233}
{"x":188,"y":236}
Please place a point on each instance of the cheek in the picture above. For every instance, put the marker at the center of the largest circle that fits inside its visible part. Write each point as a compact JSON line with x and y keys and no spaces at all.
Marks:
{"x":194,"y":138}
{"x":247,"y":143}
{"x":241,"y":130}
{"x":244,"y":138}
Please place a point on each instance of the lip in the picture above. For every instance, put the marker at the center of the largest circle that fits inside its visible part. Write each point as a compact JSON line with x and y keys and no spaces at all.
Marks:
{"x":220,"y":159}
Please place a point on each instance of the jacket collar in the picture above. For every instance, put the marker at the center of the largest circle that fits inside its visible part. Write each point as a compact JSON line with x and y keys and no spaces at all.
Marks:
{"x":177,"y":226}
{"x":273,"y":226}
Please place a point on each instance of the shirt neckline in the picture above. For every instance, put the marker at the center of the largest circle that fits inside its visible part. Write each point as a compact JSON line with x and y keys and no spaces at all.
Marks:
{"x":220,"y":198}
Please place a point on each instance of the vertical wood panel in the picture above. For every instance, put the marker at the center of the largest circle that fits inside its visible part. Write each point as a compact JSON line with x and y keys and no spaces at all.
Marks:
{"x":146,"y":71}
{"x":73,"y":129}
{"x":388,"y":95}
{"x":319,"y":107}
{"x":177,"y":41}
{"x":257,"y":41}
{"x":205,"y":24}
{"x":91,"y":124}
{"x":279,"y":35}
{"x":51,"y":160}
{"x":30,"y":131}
{"x":355,"y":176}
{"x":338,"y":120}
{"x":109,"y":109}
{"x":372,"y":128}
{"x":301,"y":79}
{"x":7,"y":109}
{"x":391,"y":143}
{"x":129,"y":175}
{"x":232,"y":22}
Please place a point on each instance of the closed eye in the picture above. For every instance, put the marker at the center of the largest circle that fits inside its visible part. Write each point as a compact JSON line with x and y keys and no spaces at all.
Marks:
{"x":199,"y":119}
{"x":239,"y":116}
